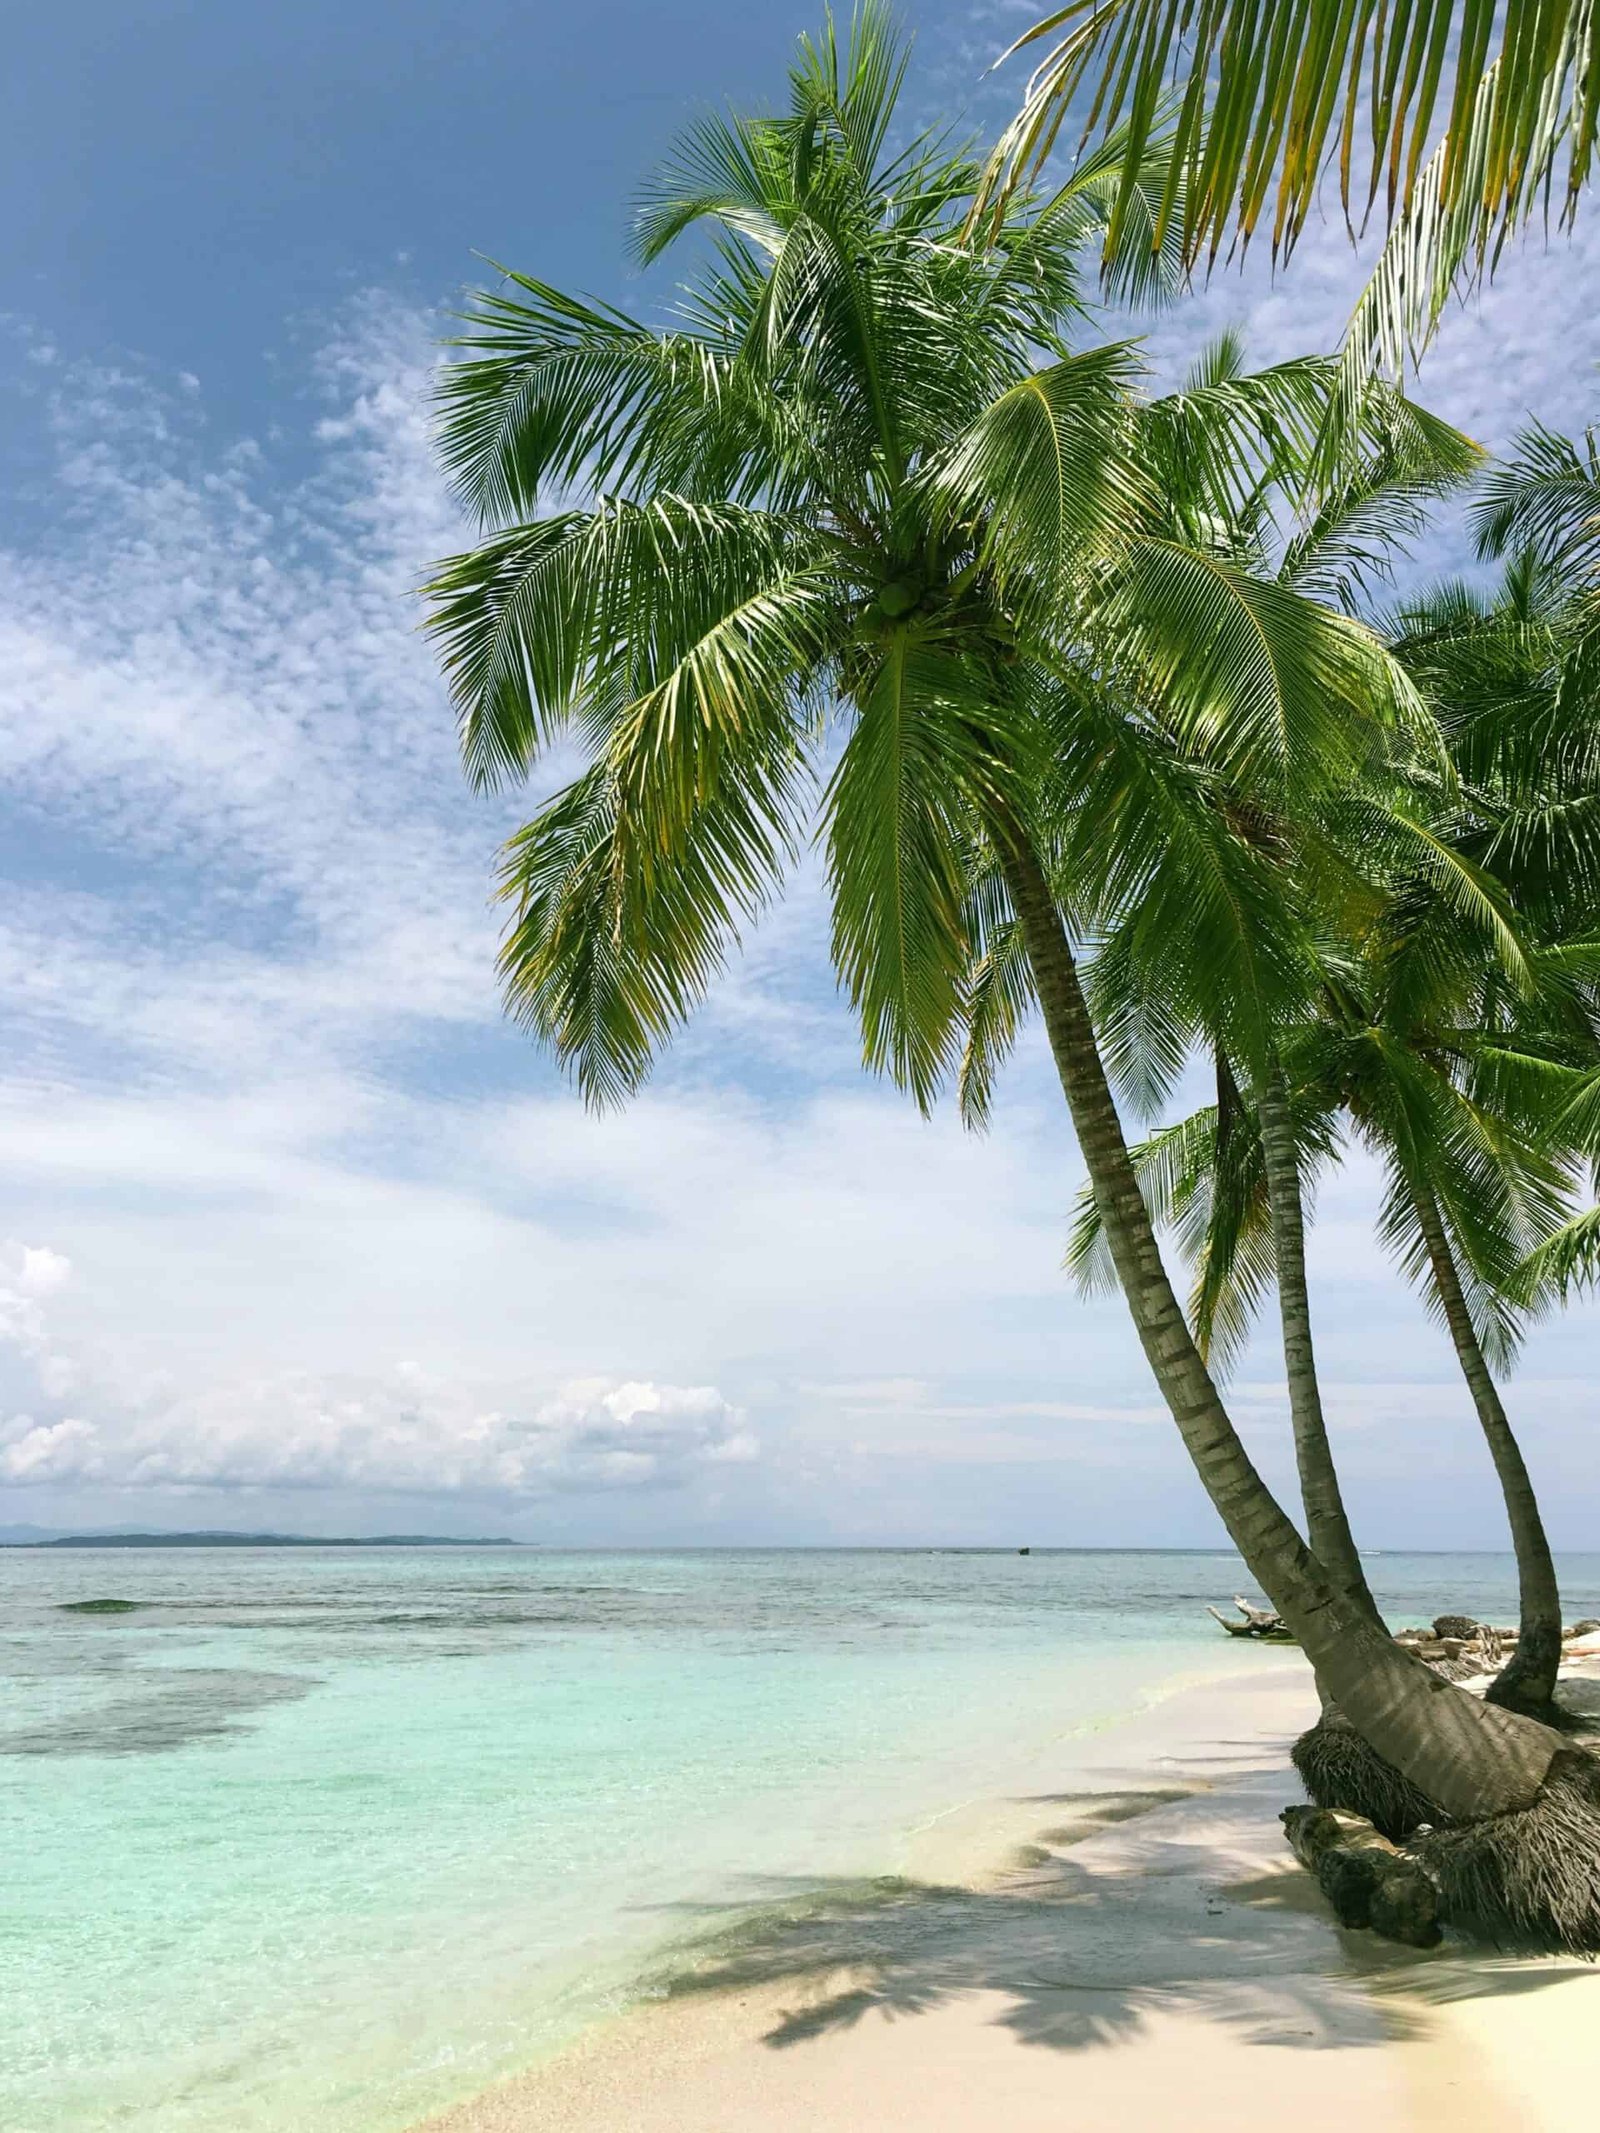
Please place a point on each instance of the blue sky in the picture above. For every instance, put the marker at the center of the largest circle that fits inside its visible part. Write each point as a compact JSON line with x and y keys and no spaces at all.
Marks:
{"x":295,"y":1232}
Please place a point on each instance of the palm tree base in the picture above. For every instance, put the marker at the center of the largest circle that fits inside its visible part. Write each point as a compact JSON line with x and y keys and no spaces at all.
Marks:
{"x":1527,"y":1681}
{"x":1339,"y":1769}
{"x":1511,"y":1697}
{"x":1530,"y":1879}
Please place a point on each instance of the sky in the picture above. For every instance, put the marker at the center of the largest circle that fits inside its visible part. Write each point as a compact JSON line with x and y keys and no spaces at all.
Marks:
{"x":295,"y":1232}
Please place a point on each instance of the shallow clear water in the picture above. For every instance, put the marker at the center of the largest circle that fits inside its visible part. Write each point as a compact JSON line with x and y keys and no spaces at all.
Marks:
{"x":318,"y":1839}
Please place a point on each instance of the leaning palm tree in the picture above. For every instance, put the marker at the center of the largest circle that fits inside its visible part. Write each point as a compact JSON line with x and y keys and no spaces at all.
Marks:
{"x":1462,"y":1055}
{"x":868,"y":543}
{"x":1462,"y":139}
{"x":1516,"y":680}
{"x":1465,"y":1188}
{"x":1466,"y":1193}
{"x":1283,"y":512}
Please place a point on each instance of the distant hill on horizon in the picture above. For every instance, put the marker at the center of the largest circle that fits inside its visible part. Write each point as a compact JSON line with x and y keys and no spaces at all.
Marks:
{"x":268,"y":1540}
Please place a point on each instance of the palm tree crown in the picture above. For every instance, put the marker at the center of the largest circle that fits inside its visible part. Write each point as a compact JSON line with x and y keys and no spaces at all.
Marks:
{"x":866,"y":536}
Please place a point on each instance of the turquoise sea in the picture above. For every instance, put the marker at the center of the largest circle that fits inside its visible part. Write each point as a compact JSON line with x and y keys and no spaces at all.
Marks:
{"x":315,"y":1840}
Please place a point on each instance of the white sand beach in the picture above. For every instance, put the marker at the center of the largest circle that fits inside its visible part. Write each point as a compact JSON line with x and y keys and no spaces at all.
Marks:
{"x":1136,"y":1947}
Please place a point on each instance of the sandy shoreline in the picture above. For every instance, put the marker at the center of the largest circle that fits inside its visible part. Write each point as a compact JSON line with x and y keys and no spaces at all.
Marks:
{"x":1134,"y":1946}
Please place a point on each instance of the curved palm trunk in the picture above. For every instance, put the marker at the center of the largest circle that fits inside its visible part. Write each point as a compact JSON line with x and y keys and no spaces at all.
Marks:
{"x":1327,"y":1525}
{"x":1470,"y":1758}
{"x":1530,"y":1675}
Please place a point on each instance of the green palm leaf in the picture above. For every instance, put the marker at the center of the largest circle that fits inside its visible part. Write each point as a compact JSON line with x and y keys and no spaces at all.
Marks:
{"x":918,"y":748}
{"x":1266,"y":684}
{"x":1567,"y":1261}
{"x":1270,"y":93}
{"x":1049,"y":466}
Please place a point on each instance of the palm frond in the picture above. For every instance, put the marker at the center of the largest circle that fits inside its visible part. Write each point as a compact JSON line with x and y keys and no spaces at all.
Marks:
{"x":699,"y":616}
{"x":1229,"y":437}
{"x":1049,"y":466}
{"x":997,"y":992}
{"x":1566,"y":1262}
{"x":1370,"y":494}
{"x":1545,"y":498}
{"x":1265,"y":684}
{"x":554,"y":393}
{"x":1202,"y":1179}
{"x":1434,"y":248}
{"x":1270,"y":93}
{"x":1498,"y":1192}
{"x":894,"y":835}
{"x":512,"y":621}
{"x":731,"y":172}
{"x":597,"y":966}
{"x":1143,"y":266}
{"x":1175,"y":1167}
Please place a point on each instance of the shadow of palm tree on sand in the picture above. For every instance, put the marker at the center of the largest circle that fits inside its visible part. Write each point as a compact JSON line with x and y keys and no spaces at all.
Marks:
{"x":1139,"y":1904}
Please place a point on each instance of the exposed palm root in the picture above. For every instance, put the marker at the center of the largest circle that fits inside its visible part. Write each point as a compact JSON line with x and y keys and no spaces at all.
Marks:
{"x":1338,"y":1769}
{"x":1529,"y":1879}
{"x":1367,"y":1880}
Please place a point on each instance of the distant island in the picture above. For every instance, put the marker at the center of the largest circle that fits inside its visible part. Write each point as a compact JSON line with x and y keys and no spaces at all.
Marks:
{"x":267,"y":1540}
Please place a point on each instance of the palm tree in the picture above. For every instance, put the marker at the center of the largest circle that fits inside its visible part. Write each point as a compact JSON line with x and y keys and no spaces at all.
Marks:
{"x":1332,"y":528}
{"x":1474,"y":1085}
{"x":1256,"y":100}
{"x":866,"y":520}
{"x":1516,"y":680}
{"x":1458,"y":1182}
{"x":1349,"y":516}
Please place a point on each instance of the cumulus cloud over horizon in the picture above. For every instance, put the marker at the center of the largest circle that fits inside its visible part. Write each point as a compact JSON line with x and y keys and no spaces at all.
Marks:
{"x":405,"y":1432}
{"x":408,"y":1436}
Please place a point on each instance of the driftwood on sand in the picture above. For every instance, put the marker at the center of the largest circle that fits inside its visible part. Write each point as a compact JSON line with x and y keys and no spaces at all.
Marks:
{"x":1368,"y":1880}
{"x":1457,"y":1646}
{"x":1258,"y":1622}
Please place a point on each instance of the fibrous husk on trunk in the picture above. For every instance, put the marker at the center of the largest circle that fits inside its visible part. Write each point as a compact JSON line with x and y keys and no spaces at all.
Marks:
{"x":1530,"y":1879}
{"x":1339,"y":1770}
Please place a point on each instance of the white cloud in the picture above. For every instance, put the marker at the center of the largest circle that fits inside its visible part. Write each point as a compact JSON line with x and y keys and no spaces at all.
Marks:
{"x":29,"y":1273}
{"x":227,"y":682}
{"x":39,"y":1270}
{"x":407,"y":1434}
{"x":407,"y":1431}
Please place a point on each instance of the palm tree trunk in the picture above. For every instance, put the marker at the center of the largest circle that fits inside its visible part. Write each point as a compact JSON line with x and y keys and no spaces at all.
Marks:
{"x":1471,"y":1759}
{"x":1530,"y":1676}
{"x":1327,"y":1525}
